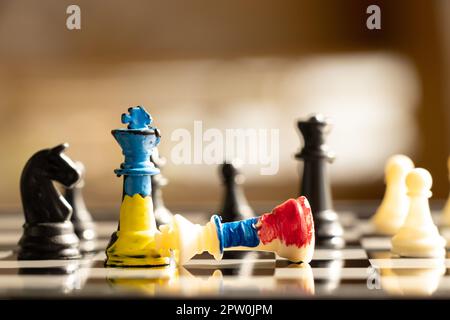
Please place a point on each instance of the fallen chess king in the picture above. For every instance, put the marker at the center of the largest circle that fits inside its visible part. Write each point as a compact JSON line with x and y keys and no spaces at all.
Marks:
{"x":288,"y":231}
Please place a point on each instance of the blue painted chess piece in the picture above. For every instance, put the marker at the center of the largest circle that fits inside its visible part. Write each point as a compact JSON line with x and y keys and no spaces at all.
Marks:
{"x":132,"y":245}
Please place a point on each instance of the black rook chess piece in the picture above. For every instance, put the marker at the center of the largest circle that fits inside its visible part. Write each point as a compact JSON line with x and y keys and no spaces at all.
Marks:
{"x":48,"y":232}
{"x":81,"y":217}
{"x":315,"y":185}
{"x":235,"y":205}
{"x":162,"y":214}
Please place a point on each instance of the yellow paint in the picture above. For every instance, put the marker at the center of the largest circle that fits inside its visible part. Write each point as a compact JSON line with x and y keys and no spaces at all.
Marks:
{"x":135,"y":244}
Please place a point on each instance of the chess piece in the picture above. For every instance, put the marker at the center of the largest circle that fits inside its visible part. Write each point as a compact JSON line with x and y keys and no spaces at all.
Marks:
{"x":132,"y":245}
{"x":81,"y":217}
{"x":162,"y":214}
{"x":446,"y":215}
{"x":419,"y":237}
{"x":288,"y":231}
{"x":315,"y":185}
{"x":391,"y":214}
{"x":48,"y":232}
{"x":235,"y":205}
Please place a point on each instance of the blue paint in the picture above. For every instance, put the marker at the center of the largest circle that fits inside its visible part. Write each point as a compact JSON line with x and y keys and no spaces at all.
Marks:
{"x":137,"y":143}
{"x":237,"y":234}
{"x":219,"y":230}
{"x":141,"y":184}
{"x":137,"y":118}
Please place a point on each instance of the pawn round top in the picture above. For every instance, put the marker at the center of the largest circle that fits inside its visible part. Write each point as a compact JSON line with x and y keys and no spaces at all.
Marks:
{"x":419,"y":182}
{"x":397,"y":167}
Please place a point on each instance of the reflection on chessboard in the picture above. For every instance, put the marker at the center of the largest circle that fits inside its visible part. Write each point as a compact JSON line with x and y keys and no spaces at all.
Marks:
{"x":364,"y":268}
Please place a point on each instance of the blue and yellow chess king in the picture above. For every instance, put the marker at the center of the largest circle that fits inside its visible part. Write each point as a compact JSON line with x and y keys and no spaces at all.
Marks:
{"x":133,"y":244}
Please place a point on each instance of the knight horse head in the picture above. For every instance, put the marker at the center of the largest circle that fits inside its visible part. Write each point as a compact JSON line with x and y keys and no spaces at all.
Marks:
{"x":40,"y":199}
{"x":61,"y":168}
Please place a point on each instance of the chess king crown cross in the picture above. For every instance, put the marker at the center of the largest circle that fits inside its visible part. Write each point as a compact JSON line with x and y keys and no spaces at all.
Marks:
{"x":137,"y":142}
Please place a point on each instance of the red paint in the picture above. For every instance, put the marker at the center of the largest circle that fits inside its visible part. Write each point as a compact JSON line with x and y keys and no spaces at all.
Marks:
{"x":291,"y":222}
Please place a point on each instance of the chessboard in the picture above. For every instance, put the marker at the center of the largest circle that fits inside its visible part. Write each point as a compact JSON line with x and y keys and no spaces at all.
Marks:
{"x":364,"y":268}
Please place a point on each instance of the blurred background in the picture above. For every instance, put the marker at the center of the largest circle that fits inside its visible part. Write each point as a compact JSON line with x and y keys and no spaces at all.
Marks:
{"x":230,"y":64}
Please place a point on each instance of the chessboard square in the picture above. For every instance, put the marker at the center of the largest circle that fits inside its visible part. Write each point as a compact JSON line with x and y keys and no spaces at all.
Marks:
{"x":337,"y":273}
{"x":132,"y":273}
{"x":230,"y":263}
{"x":376,"y":243}
{"x":14,"y":264}
{"x":345,"y":254}
{"x":410,"y":263}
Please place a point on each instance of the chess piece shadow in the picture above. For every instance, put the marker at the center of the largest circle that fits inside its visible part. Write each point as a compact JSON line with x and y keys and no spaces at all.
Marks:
{"x":81,"y":218}
{"x":48,"y":232}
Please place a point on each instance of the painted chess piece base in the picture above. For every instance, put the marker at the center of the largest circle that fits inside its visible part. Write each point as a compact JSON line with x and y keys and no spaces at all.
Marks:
{"x":135,"y":240}
{"x":419,"y":237}
{"x":48,"y":232}
{"x":315,"y":185}
{"x":287,"y":231}
{"x":392,"y":212}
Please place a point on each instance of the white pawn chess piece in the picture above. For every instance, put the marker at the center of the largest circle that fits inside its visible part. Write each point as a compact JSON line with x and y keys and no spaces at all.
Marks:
{"x":392,"y":212}
{"x":419,"y":237}
{"x":446,"y":216}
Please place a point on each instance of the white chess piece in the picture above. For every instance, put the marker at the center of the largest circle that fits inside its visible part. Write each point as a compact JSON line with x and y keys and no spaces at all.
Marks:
{"x":446,"y":216}
{"x":392,"y":212}
{"x":419,"y":237}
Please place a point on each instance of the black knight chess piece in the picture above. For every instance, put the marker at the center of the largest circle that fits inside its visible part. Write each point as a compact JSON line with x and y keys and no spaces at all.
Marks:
{"x":235,"y":205}
{"x":81,"y":217}
{"x":315,"y":185}
{"x":48,"y":232}
{"x":162,"y":214}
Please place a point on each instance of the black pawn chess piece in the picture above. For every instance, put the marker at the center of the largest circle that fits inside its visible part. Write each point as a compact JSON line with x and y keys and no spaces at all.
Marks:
{"x":235,"y":205}
{"x":162,"y":214}
{"x":48,"y":232}
{"x":81,"y":217}
{"x":315,"y":185}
